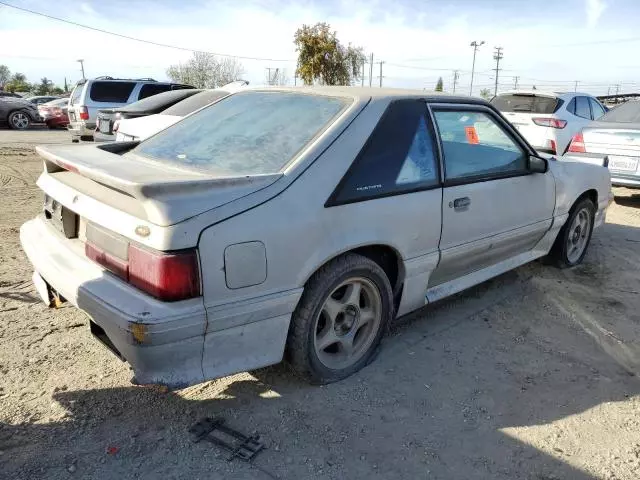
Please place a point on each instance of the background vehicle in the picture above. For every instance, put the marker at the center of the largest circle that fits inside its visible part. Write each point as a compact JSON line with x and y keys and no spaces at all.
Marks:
{"x":616,"y":136}
{"x":89,"y":96}
{"x":165,"y":244}
{"x":109,"y":119}
{"x":141,"y":128}
{"x":548,"y":120}
{"x":54,"y":113}
{"x":18,"y":113}
{"x":38,"y":100}
{"x":9,"y":94}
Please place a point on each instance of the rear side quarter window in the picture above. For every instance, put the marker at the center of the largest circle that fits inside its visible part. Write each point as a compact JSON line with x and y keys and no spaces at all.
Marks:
{"x":398,"y":157}
{"x":150,"y":89}
{"x":112,"y":92}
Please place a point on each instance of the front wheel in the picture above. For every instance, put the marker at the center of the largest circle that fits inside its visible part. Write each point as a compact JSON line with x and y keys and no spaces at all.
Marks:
{"x":19,"y":120}
{"x":340,"y":320}
{"x":574,"y":237}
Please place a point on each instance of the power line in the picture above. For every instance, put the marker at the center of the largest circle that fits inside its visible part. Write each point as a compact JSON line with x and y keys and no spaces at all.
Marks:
{"x":150,"y":42}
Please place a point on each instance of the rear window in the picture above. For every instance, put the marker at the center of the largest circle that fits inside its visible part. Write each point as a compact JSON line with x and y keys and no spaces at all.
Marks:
{"x":151,"y":89}
{"x":114,"y":92}
{"x":75,"y":95}
{"x":524,"y":103}
{"x":244,"y":134}
{"x":626,"y":113}
{"x":191,"y":104}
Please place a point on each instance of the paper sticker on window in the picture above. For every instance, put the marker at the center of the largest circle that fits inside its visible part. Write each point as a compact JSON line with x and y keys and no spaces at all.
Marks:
{"x":472,"y":135}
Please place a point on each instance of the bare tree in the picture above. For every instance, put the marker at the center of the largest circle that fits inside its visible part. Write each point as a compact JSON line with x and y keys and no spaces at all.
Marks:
{"x":205,"y":70}
{"x":5,"y":75}
{"x":277,"y":76}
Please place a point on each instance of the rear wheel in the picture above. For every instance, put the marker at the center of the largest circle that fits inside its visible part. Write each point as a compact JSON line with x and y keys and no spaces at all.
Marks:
{"x":574,"y":237}
{"x":340,"y":320}
{"x":19,"y":120}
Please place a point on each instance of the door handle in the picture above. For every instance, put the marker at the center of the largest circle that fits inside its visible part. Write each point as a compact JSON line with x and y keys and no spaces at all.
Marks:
{"x":460,"y":203}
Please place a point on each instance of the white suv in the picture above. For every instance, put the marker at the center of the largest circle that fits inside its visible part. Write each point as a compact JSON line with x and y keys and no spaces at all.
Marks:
{"x":548,"y":120}
{"x":89,"y":96}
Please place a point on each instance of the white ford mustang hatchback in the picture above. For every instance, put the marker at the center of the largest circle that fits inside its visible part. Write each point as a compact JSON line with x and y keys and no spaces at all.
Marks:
{"x":296,"y":223}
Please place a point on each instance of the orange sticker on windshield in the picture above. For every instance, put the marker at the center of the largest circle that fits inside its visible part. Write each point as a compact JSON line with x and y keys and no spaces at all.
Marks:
{"x":472,"y":135}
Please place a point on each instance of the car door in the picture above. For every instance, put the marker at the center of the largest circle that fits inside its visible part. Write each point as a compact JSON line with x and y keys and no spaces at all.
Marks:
{"x":493,"y":207}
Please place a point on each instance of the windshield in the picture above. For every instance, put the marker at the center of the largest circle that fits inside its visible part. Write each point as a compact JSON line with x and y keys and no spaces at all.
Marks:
{"x":626,"y":113}
{"x":196,"y":102}
{"x":525,"y":103}
{"x":248,"y":133}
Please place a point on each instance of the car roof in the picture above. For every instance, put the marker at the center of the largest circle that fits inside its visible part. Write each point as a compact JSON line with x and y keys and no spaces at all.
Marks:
{"x":363,"y":93}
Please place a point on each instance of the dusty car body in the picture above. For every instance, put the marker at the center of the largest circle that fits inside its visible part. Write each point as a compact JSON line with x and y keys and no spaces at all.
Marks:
{"x":298,"y":223}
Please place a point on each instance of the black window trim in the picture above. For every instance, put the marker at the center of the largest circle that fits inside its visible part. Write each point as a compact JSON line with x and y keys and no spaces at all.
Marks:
{"x":506,"y":127}
{"x":333,"y":201}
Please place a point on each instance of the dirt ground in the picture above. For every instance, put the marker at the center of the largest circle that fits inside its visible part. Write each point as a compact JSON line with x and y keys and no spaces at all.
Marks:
{"x":533,"y":375}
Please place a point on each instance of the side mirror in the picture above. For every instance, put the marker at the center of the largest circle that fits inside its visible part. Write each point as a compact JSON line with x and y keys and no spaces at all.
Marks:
{"x":538,"y":164}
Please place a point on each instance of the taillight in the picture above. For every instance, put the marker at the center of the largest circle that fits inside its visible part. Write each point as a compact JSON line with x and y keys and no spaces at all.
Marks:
{"x":577,"y":144}
{"x":549,"y":122}
{"x":166,"y":276}
{"x":84,"y":113}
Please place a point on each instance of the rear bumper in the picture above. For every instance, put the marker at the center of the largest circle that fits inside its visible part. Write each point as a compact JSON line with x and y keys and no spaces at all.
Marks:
{"x":162,"y":341}
{"x":103,"y":137}
{"x":623,"y":180}
{"x":81,"y":129}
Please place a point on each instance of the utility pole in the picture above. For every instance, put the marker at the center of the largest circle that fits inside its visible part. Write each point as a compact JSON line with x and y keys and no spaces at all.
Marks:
{"x":381,"y":62}
{"x":82,"y":68}
{"x":617,"y":89}
{"x":456,"y":76}
{"x":497,"y":56}
{"x":370,"y":69}
{"x":515,"y":82}
{"x":575,"y":86}
{"x":363,"y":62}
{"x":475,"y":46}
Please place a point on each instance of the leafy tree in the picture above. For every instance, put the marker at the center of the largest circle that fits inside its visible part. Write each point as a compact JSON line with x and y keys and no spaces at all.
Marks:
{"x":57,"y":90}
{"x":5,"y":75}
{"x":205,"y":70}
{"x":323,"y":59}
{"x":44,"y":87}
{"x":18,"y":83}
{"x":486,"y":94}
{"x":439,"y":85}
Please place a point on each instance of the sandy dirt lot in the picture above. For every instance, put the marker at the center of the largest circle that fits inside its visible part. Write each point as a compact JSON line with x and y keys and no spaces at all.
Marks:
{"x":530,"y":376}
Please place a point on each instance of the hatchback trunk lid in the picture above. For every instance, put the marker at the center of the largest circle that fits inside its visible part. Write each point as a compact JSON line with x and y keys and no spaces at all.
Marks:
{"x":164,"y":194}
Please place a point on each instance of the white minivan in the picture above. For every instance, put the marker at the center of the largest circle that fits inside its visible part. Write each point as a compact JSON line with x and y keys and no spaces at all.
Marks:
{"x":548,"y":120}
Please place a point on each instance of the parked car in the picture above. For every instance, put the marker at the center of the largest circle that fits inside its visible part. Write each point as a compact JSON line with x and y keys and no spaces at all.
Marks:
{"x":89,"y":96}
{"x":296,"y":222}
{"x":9,"y":94}
{"x":614,"y":141}
{"x":140,"y":128}
{"x":18,"y":113}
{"x":55,"y":113}
{"x":548,"y":120}
{"x":40,"y":99}
{"x":109,"y":119}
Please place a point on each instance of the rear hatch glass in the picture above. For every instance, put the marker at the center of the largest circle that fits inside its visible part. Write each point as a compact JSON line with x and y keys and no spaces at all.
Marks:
{"x":112,"y":92}
{"x":526,"y":103}
{"x":248,"y":133}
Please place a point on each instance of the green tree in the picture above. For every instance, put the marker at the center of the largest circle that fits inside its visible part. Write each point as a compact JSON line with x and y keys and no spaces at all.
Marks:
{"x":57,"y":90}
{"x":486,"y":94}
{"x":439,"y":85}
{"x":44,"y":87}
{"x":5,"y":76}
{"x":18,"y":83}
{"x":323,"y":59}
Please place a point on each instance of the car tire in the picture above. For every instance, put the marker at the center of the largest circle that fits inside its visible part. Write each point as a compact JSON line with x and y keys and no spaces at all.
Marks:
{"x":574,"y":237}
{"x":339,"y":322}
{"x":19,"y":120}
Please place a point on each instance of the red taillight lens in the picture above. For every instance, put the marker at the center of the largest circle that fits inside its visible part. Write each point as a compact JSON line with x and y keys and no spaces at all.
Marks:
{"x":166,"y":276}
{"x":113,"y":264}
{"x":549,"y":122}
{"x":84,"y":113}
{"x":577,"y":144}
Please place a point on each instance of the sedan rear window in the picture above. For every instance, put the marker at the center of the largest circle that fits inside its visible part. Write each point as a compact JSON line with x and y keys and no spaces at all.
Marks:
{"x":249,"y":133}
{"x":525,"y":103}
{"x":626,"y":113}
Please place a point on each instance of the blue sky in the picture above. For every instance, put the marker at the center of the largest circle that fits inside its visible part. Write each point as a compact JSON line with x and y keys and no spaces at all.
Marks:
{"x":547,"y":44}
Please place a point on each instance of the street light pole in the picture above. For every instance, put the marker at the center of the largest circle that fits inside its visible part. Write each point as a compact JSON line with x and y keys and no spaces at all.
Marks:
{"x":475,"y":46}
{"x":82,"y":68}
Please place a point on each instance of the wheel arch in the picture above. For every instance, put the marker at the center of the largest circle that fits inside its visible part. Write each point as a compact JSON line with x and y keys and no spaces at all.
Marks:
{"x":591,"y":194}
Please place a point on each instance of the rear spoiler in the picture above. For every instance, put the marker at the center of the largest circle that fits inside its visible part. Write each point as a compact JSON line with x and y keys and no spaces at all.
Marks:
{"x":168,"y":194}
